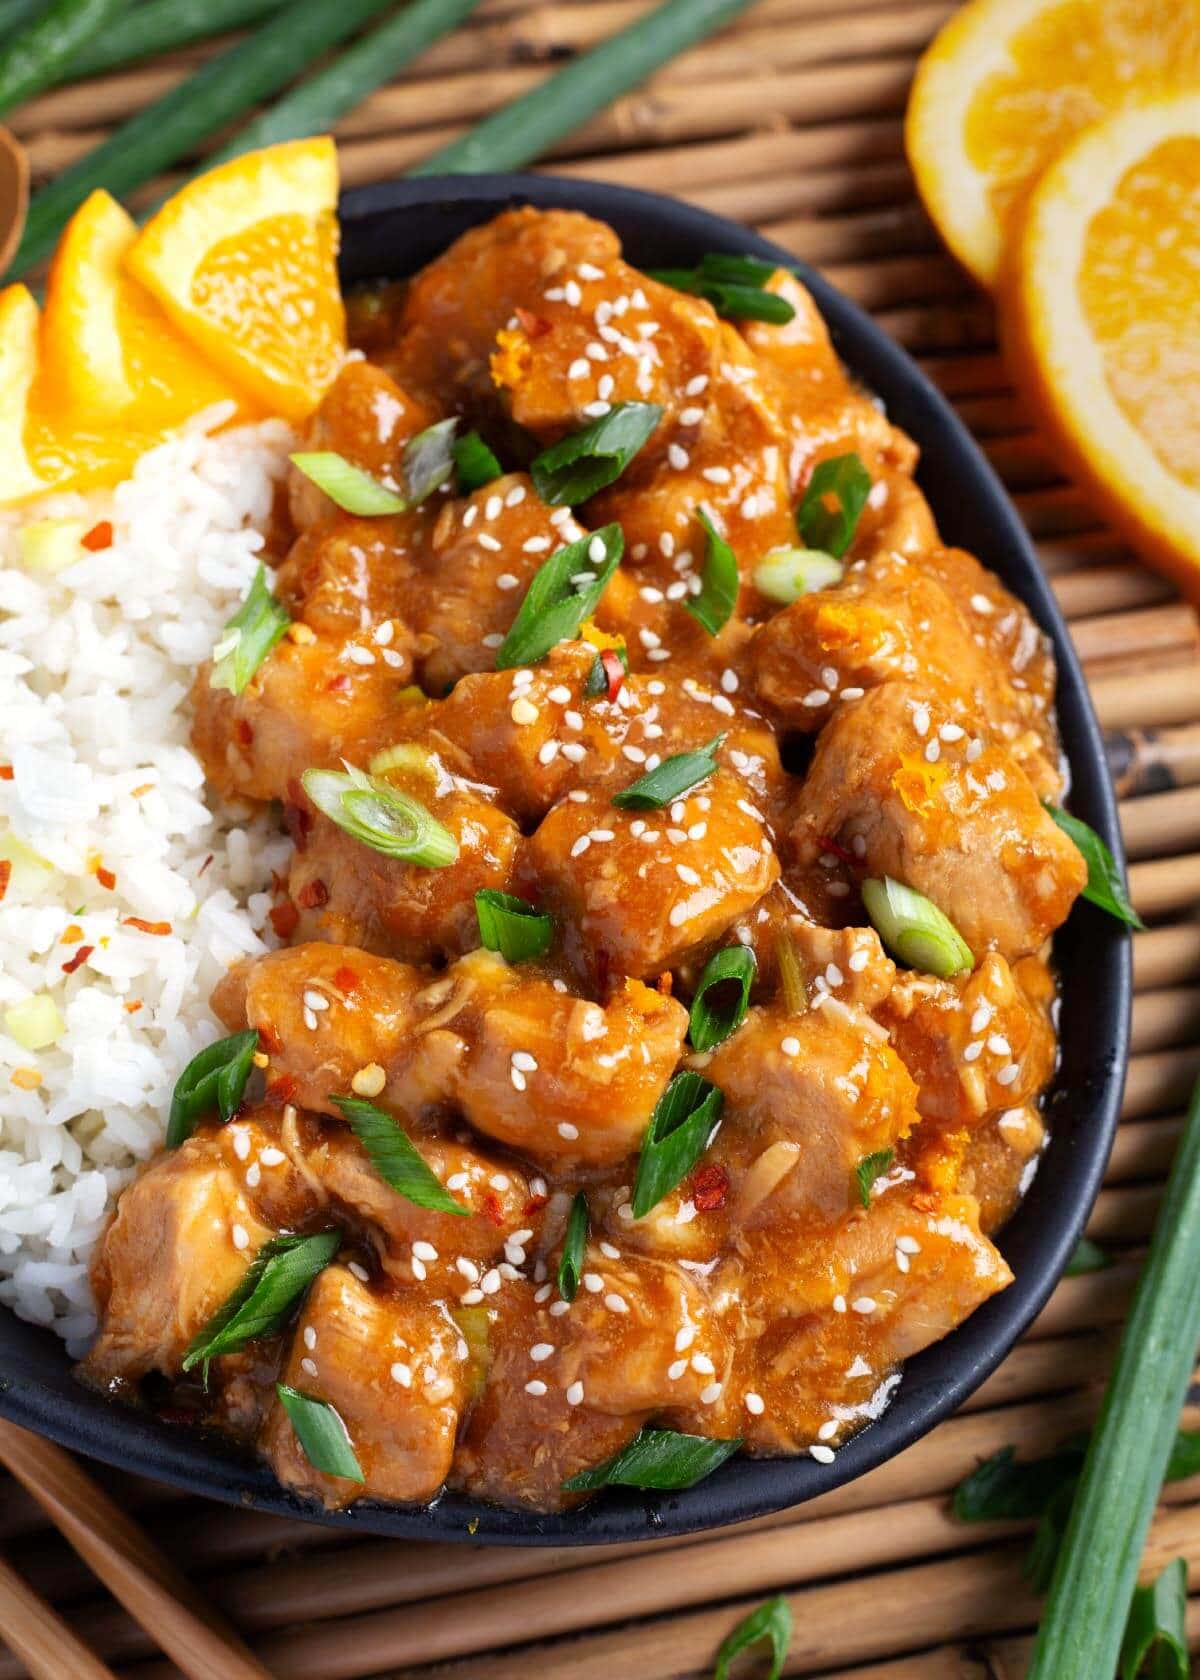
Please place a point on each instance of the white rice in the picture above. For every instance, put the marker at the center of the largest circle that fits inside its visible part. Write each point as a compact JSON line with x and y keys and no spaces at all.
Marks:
{"x":95,"y":666}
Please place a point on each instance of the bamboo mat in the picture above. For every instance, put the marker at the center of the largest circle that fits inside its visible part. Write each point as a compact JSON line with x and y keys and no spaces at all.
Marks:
{"x":790,"y":121}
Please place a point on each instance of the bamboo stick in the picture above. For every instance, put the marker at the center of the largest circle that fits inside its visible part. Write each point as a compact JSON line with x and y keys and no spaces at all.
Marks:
{"x":1125,"y":1216}
{"x":1166,"y":884}
{"x":1148,"y":698}
{"x":1143,"y":1150}
{"x":1145,"y":761}
{"x":1055,"y":512}
{"x":992,"y":414}
{"x":1023,"y":461}
{"x":41,"y":1641}
{"x":1160,"y":1082}
{"x":1142,"y":633}
{"x":185,"y":1626}
{"x":818,"y":194}
{"x":964,"y":376}
{"x":1110,"y":589}
{"x":893,"y":228}
{"x":1093,"y":549}
{"x":1161,"y":823}
{"x":784,"y":152}
{"x":1165,"y":1019}
{"x":1166,"y":956}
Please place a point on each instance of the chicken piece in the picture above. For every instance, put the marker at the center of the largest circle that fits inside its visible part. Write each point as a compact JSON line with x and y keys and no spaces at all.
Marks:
{"x":565,"y":1391}
{"x":637,"y":890}
{"x":395,"y":1369}
{"x":1000,"y":1161}
{"x":847,"y":963}
{"x":310,"y":704}
{"x":365,"y":417}
{"x":807,"y":1097}
{"x":369,"y":1008}
{"x":827,"y":415}
{"x":830,"y":1334}
{"x":975,"y":1044}
{"x":551,"y":1075}
{"x":344,"y":575}
{"x":900,"y":785}
{"x":350,"y":894}
{"x":181,"y":1241}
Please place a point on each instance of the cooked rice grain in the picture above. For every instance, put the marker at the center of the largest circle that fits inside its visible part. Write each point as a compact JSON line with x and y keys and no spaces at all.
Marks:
{"x":95,"y":664}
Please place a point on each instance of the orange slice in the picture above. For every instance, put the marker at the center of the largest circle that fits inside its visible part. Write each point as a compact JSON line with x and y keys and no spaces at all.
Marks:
{"x":243,"y":260}
{"x":107,"y":347}
{"x":1008,"y":83}
{"x":1102,"y":319}
{"x":18,"y":367}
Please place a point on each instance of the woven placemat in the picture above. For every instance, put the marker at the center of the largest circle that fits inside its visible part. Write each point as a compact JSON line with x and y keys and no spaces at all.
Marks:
{"x":790,"y":121}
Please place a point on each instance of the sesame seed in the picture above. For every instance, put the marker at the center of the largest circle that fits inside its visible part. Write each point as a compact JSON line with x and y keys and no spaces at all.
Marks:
{"x":418,"y":1269}
{"x":822,"y":1454}
{"x":596,"y":410}
{"x":402,"y":1374}
{"x":310,"y":1020}
{"x":921,"y":720}
{"x":579,"y":369}
{"x":703,"y":1365}
{"x":523,"y":711}
{"x":790,"y":1046}
{"x":567,"y":1130}
{"x":575,"y":1393}
{"x":424,"y":1251}
{"x":710,"y":1395}
{"x":999,"y":1045}
{"x":518,"y":1078}
{"x":486,"y":540}
{"x":684,"y":1337}
{"x":857,"y":961}
{"x":675,"y":1371}
{"x":754,"y":1403}
{"x":541,"y":1351}
{"x":271,"y":1157}
{"x":678,"y":457}
{"x":575,"y":751}
{"x":369,"y":1081}
{"x":973,"y":1051}
{"x":490,"y":1282}
{"x":694,"y":386}
{"x":572,"y":295}
{"x":828,"y":1430}
{"x":360,"y":655}
{"x":815,"y":697}
{"x":691,"y":416}
{"x":536,"y":1387}
{"x":241,"y":1237}
{"x":310,"y":1337}
{"x":839,"y":1303}
{"x":864,"y":1304}
{"x":523,"y":1060}
{"x":908,"y":1245}
{"x":1007,"y":1075}
{"x":241,"y":1145}
{"x":616,"y":1303}
{"x":472,"y":1297}
{"x":558,"y":1308}
{"x":309,"y":1367}
{"x":548,"y":752}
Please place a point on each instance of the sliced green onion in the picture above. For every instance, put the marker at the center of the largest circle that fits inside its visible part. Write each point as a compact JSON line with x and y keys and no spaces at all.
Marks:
{"x":477,"y":1333}
{"x":405,"y":755}
{"x":1131,"y":1447}
{"x":772,"y":1622}
{"x":719,"y":581}
{"x":915,"y":930}
{"x":791,"y":977}
{"x":258,"y":625}
{"x":215,"y":1079}
{"x":570,"y":1261}
{"x":1104,"y":884}
{"x":1005,"y":1487}
{"x":381,"y":816}
{"x":395,"y":1158}
{"x":787,"y":573}
{"x":511,"y":925}
{"x":846,"y":479}
{"x":35,"y":1022}
{"x":323,"y":1437}
{"x":48,"y":545}
{"x":279,"y":1275}
{"x":671,"y":779}
{"x":574,"y":469}
{"x":565,"y":591}
{"x":682,"y":1126}
{"x":729,"y":974}
{"x":1185,"y":1456}
{"x":428,"y":461}
{"x":604,"y":677}
{"x":733,"y":285}
{"x":349,"y":486}
{"x":1088,"y":1257}
{"x":869,"y":1169}
{"x":739,"y":270}
{"x":474,"y":463}
{"x":657,"y":1458}
{"x":1156,"y":1642}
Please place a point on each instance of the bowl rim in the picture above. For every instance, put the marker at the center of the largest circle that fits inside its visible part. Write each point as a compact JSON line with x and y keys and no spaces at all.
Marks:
{"x":743,"y":1488}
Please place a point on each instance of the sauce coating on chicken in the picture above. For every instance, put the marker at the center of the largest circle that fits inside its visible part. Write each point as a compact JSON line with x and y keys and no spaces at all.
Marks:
{"x":877,"y":1121}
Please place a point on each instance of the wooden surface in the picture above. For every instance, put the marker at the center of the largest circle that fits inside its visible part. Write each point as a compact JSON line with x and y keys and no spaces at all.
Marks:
{"x":791,"y":121}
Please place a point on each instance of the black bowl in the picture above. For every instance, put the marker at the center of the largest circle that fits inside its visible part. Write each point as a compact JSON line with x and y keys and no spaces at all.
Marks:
{"x":390,"y":230}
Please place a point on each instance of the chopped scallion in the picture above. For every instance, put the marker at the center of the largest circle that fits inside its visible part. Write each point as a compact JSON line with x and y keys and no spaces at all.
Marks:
{"x":719,"y":581}
{"x":474,"y":463}
{"x":214,"y":1079}
{"x":258,"y":625}
{"x":844,"y":478}
{"x":1156,"y":1641}
{"x":428,"y":461}
{"x":657,"y":1458}
{"x":682,"y":1126}
{"x":35,"y":1022}
{"x":381,"y":816}
{"x":735,"y":286}
{"x":1088,"y":1257}
{"x":565,"y":591}
{"x":671,"y":779}
{"x":1105,"y":887}
{"x":396,"y":1158}
{"x":609,"y":670}
{"x":578,"y":466}
{"x":771,"y":1622}
{"x":869,"y":1169}
{"x":570,"y":1261}
{"x":278,"y":1276}
{"x":915,"y":930}
{"x":353,"y":489}
{"x":323,"y":1437}
{"x":511,"y":925}
{"x":787,"y":573}
{"x":722,"y":996}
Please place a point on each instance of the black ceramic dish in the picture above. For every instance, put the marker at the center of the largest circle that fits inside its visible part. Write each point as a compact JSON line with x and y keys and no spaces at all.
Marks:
{"x":388,"y":231}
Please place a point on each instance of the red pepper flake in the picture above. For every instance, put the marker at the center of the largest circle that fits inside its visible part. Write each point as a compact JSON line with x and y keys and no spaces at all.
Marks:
{"x":5,"y":875}
{"x":345,"y":979}
{"x":338,"y":684}
{"x":81,"y":956}
{"x":143,"y":787}
{"x":665,"y":983}
{"x":6,"y":772}
{"x":710,"y":1186}
{"x":613,"y":670}
{"x":204,"y":865}
{"x":71,"y":934}
{"x":284,"y":919}
{"x":533,"y":326}
{"x":244,"y":733}
{"x":834,"y":850}
{"x":132,"y":1007}
{"x":493,"y":1207}
{"x":143,"y":926}
{"x":269,"y":1038}
{"x":280,"y":1091}
{"x":100,"y":536}
{"x":534,"y":1205}
{"x":106,"y":877}
{"x":297,"y":814}
{"x":312,"y":895}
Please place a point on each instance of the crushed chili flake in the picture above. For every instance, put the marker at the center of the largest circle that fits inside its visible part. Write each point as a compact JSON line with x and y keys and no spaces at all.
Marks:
{"x":834,"y":850}
{"x":142,"y":787}
{"x":312,"y":895}
{"x":244,"y":732}
{"x":338,"y":684}
{"x":493,"y":1207}
{"x":106,"y":877}
{"x":26,"y":1078}
{"x":80,"y":956}
{"x":533,"y":326}
{"x":144,"y":926}
{"x":5,"y":875}
{"x":6,"y":772}
{"x":132,"y":1007}
{"x":345,"y":979}
{"x":270,"y":1039}
{"x":665,"y":983}
{"x":204,"y":865}
{"x":280,"y":1091}
{"x":534,"y":1204}
{"x":614,"y":670}
{"x":100,"y":536}
{"x":284,"y":919}
{"x":710,"y":1186}
{"x":298,"y":814}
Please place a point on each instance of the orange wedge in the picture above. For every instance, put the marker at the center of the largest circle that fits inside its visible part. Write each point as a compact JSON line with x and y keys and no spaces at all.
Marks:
{"x":243,"y":260}
{"x":1007,"y":85}
{"x":1102,"y":321}
{"x":18,"y":367}
{"x":107,"y":347}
